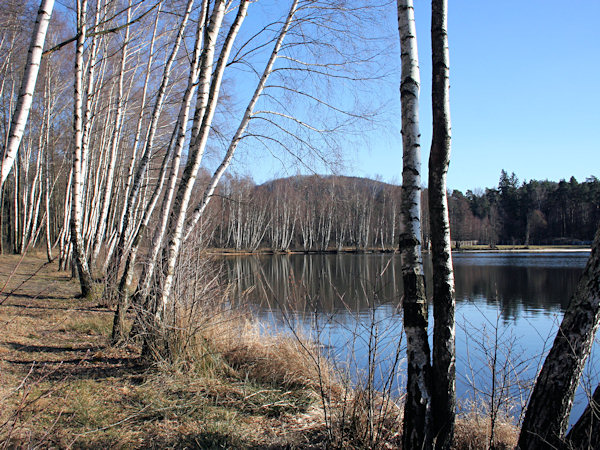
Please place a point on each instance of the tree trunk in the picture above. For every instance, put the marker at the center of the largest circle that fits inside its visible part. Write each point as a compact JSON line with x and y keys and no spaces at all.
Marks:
{"x":176,"y":145}
{"x":417,"y":408}
{"x":114,"y":147}
{"x":208,"y":193}
{"x":444,"y":356}
{"x":80,"y":259}
{"x":547,"y":415}
{"x":586,"y":432}
{"x":32,"y":67}
{"x":197,"y":147}
{"x":136,"y":141}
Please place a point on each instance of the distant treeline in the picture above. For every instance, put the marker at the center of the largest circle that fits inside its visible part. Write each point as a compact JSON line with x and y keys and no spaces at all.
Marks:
{"x":534,"y":212}
{"x":317,"y":213}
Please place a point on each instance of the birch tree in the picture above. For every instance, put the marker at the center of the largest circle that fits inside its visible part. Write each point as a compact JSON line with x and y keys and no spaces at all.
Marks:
{"x":79,"y":255}
{"x":245,"y":119}
{"x":125,"y":231}
{"x":23,"y":106}
{"x":444,"y":355}
{"x":417,"y":431}
{"x":208,"y":93}
{"x":131,"y":168}
{"x":114,"y":146}
{"x":547,"y":415}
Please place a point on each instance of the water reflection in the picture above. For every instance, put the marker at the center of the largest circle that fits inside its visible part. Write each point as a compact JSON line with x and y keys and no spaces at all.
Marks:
{"x":512,"y":284}
{"x":329,"y":283}
{"x":343,"y":299}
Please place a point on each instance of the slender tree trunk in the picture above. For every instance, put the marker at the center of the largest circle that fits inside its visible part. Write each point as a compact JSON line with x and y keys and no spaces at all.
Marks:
{"x":65,"y":239}
{"x":80,"y":259}
{"x":118,"y":333}
{"x":417,"y":408}
{"x":547,"y":415}
{"x":32,"y":66}
{"x":444,"y":355}
{"x":129,"y":216}
{"x":110,"y":170}
{"x":48,"y":187}
{"x":198,"y":145}
{"x":136,"y":141}
{"x":142,"y":291}
{"x":47,"y":206}
{"x":208,"y":193}
{"x":174,"y":152}
{"x":16,"y":210}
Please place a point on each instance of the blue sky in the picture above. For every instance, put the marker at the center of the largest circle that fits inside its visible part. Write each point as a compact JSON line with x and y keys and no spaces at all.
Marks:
{"x":525,"y":95}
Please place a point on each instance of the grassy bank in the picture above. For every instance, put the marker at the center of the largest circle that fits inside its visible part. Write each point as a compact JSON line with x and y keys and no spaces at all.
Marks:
{"x":232,"y":384}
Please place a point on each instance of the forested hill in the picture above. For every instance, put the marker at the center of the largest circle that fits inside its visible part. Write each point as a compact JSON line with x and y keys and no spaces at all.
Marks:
{"x":333,"y":212}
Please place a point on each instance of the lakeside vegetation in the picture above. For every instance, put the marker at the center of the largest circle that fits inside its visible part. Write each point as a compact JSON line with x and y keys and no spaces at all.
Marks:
{"x":348,"y":214}
{"x":117,"y":142}
{"x":238,"y":386}
{"x":456,"y":246}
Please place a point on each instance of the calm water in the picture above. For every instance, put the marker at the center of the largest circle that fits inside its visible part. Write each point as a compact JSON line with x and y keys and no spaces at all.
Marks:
{"x":508,"y":308}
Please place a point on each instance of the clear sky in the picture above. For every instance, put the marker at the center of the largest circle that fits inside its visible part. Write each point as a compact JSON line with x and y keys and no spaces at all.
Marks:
{"x":525,"y":95}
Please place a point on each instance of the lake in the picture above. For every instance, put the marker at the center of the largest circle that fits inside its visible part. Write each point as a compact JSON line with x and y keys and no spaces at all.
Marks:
{"x":509,"y":306}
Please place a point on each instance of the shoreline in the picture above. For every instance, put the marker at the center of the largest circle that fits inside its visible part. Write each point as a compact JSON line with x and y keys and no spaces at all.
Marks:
{"x":528,"y":250}
{"x":482,"y":249}
{"x":64,"y":385}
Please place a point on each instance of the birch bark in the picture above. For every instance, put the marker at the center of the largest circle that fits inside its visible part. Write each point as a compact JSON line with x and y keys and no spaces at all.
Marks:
{"x":110,"y":170}
{"x":198,"y":146}
{"x":586,"y":432}
{"x":547,"y":415}
{"x":417,"y":408}
{"x":47,"y":207}
{"x":142,"y":290}
{"x":32,"y":66}
{"x":80,"y":259}
{"x":208,"y":193}
{"x":140,"y":173}
{"x":136,"y":142}
{"x":444,"y":357}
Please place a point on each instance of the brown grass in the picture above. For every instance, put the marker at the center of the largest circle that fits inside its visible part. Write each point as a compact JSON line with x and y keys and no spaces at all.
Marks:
{"x":473,"y":432}
{"x":62,"y":385}
{"x":232,"y":384}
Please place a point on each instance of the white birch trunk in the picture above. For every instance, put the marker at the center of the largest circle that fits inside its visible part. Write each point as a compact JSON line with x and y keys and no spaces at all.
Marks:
{"x":110,"y":171}
{"x":129,"y":216}
{"x":136,"y":141}
{"x":80,"y":259}
{"x":199,"y":143}
{"x":208,"y":193}
{"x":417,"y":408}
{"x":47,"y":207}
{"x":65,"y":239}
{"x":32,"y":66}
{"x":160,"y":231}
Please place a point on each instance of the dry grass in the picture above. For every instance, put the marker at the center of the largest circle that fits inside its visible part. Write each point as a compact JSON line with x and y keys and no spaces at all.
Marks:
{"x":268,"y":356}
{"x":233,"y":383}
{"x":473,"y":432}
{"x":62,"y":385}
